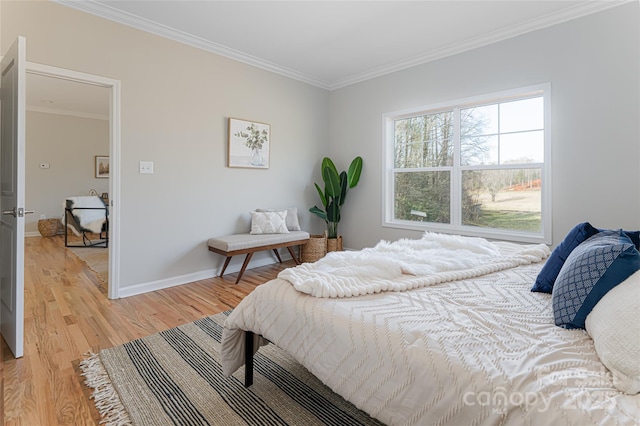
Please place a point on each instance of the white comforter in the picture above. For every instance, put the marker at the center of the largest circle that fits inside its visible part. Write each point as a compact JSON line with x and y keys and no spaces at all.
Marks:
{"x":407,"y":264}
{"x":477,"y":351}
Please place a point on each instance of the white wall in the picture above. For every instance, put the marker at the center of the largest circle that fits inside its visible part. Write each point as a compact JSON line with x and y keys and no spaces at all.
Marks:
{"x":176,"y":100}
{"x":593,"y":66}
{"x":68,"y":144}
{"x":175,"y":103}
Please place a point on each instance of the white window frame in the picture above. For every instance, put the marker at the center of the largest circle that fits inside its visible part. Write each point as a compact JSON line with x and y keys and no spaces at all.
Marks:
{"x":456,"y":227}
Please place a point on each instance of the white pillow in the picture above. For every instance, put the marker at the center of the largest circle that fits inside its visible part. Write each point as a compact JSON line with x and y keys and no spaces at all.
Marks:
{"x":614,"y":326}
{"x":292,"y":217}
{"x":274,"y":222}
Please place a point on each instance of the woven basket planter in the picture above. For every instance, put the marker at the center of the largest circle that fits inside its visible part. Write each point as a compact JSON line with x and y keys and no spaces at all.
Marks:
{"x":315,"y":248}
{"x":49,"y":227}
{"x":334,"y":244}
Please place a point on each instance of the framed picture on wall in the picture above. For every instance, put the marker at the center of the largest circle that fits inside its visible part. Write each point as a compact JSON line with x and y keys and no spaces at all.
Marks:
{"x":249,"y":144}
{"x":102,"y":166}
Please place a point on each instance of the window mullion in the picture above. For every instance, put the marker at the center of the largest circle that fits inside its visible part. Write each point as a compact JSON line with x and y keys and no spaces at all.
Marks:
{"x":499,"y":137}
{"x":456,"y":173}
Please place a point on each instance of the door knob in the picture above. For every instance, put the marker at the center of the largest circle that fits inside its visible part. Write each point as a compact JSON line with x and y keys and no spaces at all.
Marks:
{"x":19,"y":213}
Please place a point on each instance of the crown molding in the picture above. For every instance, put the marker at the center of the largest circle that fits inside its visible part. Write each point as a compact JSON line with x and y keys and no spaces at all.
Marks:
{"x":565,"y":15}
{"x":125,"y":18}
{"x":568,"y":14}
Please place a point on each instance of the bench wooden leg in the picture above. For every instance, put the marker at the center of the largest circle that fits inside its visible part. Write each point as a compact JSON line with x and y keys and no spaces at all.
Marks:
{"x":244,"y":266}
{"x":293,"y":255}
{"x":277,"y":255}
{"x":226,"y":263}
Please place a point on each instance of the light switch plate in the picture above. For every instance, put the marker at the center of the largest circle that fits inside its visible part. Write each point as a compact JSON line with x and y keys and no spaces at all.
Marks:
{"x":146,"y":167}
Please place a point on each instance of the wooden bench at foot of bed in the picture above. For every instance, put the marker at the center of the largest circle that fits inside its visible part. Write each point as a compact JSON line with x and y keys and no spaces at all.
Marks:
{"x":231,"y":245}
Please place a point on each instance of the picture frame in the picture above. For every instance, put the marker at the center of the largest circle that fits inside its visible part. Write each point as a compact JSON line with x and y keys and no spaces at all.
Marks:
{"x":249,"y":144}
{"x":102,"y":166}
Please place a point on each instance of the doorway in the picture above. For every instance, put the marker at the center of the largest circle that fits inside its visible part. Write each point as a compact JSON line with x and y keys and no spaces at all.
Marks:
{"x":72,"y":80}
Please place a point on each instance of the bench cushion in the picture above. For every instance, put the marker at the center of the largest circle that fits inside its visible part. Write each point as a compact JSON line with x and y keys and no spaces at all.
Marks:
{"x":244,"y":241}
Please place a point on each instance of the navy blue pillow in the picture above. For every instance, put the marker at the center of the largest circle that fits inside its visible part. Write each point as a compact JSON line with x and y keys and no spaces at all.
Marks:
{"x":591,"y":270}
{"x":634,"y":236}
{"x":551,"y":269}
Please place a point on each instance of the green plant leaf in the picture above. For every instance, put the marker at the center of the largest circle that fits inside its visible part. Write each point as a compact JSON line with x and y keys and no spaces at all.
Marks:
{"x":355,"y":169}
{"x":326,"y":162}
{"x":343,"y":188}
{"x":331,"y":182}
{"x":333,"y":211}
{"x":323,"y":197}
{"x":315,"y":210}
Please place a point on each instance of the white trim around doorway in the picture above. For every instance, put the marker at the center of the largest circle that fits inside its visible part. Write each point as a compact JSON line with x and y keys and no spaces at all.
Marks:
{"x":114,"y":154}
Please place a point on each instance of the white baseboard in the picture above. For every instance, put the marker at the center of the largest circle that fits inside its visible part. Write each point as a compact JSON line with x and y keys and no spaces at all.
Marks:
{"x":141,"y":288}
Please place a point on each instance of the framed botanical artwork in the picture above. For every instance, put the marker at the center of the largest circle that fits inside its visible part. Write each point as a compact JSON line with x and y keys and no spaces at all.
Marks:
{"x":102,"y":166}
{"x":249,"y":144}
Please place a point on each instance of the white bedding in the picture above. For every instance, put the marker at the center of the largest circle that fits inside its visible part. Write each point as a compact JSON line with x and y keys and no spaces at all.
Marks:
{"x":407,"y":264}
{"x":477,"y":351}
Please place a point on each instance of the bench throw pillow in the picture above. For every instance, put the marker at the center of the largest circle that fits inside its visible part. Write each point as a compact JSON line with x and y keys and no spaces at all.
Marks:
{"x":614,"y":326}
{"x":551,"y":269}
{"x":292,"y":217}
{"x":591,"y":270}
{"x":274,"y":222}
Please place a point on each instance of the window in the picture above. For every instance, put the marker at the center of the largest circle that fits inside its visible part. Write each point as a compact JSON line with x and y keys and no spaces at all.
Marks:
{"x":475,"y":166}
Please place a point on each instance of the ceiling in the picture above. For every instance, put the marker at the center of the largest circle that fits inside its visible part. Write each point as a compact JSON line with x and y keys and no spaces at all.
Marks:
{"x":332,"y":44}
{"x":55,"y":95}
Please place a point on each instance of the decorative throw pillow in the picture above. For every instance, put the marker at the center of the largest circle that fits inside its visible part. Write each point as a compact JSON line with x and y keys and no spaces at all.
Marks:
{"x":551,"y":269}
{"x":292,"y":217}
{"x":614,"y":326}
{"x":274,"y":222}
{"x":591,"y":270}
{"x":634,"y":236}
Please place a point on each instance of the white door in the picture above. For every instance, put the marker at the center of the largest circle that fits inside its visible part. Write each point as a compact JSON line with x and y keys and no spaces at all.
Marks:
{"x":12,"y":147}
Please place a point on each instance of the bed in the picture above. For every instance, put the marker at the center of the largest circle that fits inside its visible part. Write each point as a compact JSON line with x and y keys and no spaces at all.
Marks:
{"x":474,"y":345}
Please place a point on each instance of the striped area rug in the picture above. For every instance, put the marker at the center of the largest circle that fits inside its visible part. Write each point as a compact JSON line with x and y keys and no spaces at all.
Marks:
{"x":175,"y":378}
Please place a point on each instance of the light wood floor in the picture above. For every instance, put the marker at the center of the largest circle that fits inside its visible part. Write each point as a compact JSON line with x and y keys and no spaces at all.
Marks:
{"x":67,"y":314}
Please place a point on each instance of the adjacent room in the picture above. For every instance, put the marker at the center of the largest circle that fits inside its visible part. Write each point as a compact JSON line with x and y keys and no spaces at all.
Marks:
{"x":67,"y":159}
{"x":199,"y":149}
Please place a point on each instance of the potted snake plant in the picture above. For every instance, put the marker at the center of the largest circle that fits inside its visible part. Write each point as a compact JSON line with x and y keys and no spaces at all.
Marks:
{"x":336,"y":187}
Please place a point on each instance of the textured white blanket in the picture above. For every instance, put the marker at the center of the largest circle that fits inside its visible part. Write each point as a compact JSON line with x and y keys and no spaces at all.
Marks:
{"x":408,"y":264}
{"x":483,"y":351}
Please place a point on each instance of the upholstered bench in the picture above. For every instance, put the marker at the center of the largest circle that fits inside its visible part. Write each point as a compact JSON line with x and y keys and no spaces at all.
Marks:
{"x":231,"y":245}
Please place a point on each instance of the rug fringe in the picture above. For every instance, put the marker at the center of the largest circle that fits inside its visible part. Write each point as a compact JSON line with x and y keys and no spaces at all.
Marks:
{"x":105,"y":397}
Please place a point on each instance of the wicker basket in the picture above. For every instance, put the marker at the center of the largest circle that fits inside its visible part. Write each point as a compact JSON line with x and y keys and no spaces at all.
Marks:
{"x":315,"y":248}
{"x":49,"y":227}
{"x":334,"y":244}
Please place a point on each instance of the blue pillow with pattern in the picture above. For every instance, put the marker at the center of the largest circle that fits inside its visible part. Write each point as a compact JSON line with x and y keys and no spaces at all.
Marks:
{"x":551,"y":269}
{"x":592,"y":269}
{"x":634,"y":236}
